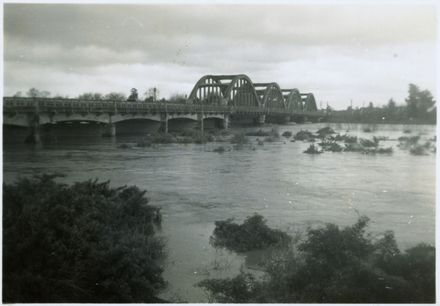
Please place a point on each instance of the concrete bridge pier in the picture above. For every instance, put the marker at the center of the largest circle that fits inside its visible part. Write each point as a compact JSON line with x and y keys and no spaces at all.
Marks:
{"x":164,"y":122}
{"x":260,"y":119}
{"x":200,"y":120}
{"x":34,"y":136}
{"x":226,"y":120}
{"x":110,"y":130}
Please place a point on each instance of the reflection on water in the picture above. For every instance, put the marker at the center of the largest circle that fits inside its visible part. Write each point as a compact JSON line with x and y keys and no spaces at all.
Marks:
{"x":195,"y":187}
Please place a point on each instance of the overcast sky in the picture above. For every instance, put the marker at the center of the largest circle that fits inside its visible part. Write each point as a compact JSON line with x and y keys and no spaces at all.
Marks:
{"x":339,"y":52}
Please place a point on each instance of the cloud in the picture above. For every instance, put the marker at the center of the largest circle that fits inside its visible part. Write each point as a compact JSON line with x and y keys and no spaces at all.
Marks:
{"x":338,"y":52}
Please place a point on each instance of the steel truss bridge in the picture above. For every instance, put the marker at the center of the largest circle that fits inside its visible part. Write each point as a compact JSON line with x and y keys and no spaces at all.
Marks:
{"x":220,"y":97}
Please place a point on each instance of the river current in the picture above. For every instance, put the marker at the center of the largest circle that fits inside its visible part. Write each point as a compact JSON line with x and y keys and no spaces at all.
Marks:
{"x":195,"y":187}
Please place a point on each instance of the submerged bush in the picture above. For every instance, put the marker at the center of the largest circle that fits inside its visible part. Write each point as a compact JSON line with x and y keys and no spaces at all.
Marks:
{"x":337,"y":265}
{"x":162,"y":138}
{"x":331,"y":146}
{"x":287,"y":134}
{"x":84,"y":243}
{"x":259,"y":133}
{"x":304,"y":135}
{"x":367,"y":143}
{"x":220,"y":149}
{"x":253,"y":234}
{"x":239,"y":139}
{"x":323,"y":132}
{"x":312,"y":149}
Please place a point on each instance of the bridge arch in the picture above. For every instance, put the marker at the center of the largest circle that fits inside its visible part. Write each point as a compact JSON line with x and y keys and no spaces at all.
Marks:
{"x":270,"y":95}
{"x":293,"y":99}
{"x":207,"y":90}
{"x":232,"y":90}
{"x":309,"y":102}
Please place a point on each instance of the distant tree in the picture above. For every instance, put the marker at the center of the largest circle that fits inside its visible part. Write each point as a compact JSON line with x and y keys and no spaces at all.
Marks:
{"x":412,"y":101}
{"x":90,"y":96}
{"x":58,"y":96}
{"x":152,"y":94}
{"x":18,"y":94}
{"x":35,"y":93}
{"x":370,"y":105}
{"x":133,"y":95}
{"x":115,"y":96}
{"x":391,"y":104}
{"x":420,"y":103}
{"x":178,"y":98}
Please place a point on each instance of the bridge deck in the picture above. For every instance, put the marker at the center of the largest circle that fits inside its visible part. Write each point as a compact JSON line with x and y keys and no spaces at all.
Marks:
{"x":53,"y":105}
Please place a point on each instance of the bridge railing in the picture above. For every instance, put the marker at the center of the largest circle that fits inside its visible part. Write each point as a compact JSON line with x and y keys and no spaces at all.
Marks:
{"x":108,"y":106}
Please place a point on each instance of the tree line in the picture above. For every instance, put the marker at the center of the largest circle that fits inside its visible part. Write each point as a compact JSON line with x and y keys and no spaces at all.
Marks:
{"x":150,"y":95}
{"x":419,"y":107}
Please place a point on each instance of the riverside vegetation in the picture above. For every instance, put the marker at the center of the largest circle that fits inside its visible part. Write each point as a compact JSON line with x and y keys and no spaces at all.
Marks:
{"x":84,"y":243}
{"x":328,"y":265}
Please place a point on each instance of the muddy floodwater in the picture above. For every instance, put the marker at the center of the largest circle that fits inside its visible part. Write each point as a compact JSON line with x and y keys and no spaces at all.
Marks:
{"x":292,"y":190}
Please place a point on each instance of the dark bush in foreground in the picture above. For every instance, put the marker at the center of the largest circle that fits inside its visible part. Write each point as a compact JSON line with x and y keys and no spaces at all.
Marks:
{"x":253,"y":234}
{"x":85,"y":243}
{"x":334,"y":265}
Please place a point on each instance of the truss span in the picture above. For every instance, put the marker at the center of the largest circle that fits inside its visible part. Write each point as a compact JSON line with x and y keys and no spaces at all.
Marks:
{"x":239,"y":90}
{"x":231,"y":90}
{"x":270,"y":95}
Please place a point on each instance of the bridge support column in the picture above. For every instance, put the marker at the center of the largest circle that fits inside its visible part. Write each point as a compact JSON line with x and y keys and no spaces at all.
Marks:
{"x":164,"y":122}
{"x":261,"y":119}
{"x":200,"y":118}
{"x":226,"y":120}
{"x":34,"y":136}
{"x":110,"y":130}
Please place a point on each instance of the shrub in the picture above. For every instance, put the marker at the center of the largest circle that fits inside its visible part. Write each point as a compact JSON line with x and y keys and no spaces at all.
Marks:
{"x":312,"y":150}
{"x":323,"y":132}
{"x":369,"y":143}
{"x":239,"y":139}
{"x":84,"y":243}
{"x":124,"y":146}
{"x":287,"y":134}
{"x":259,"y":133}
{"x":143,"y":143}
{"x":367,"y":130}
{"x":220,"y":149}
{"x":331,"y":146}
{"x":334,"y":265}
{"x":304,"y":135}
{"x":253,"y":234}
{"x":418,"y":150}
{"x":162,"y":138}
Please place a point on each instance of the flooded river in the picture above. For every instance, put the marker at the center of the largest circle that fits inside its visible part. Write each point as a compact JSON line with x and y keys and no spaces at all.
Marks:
{"x":292,"y":190}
